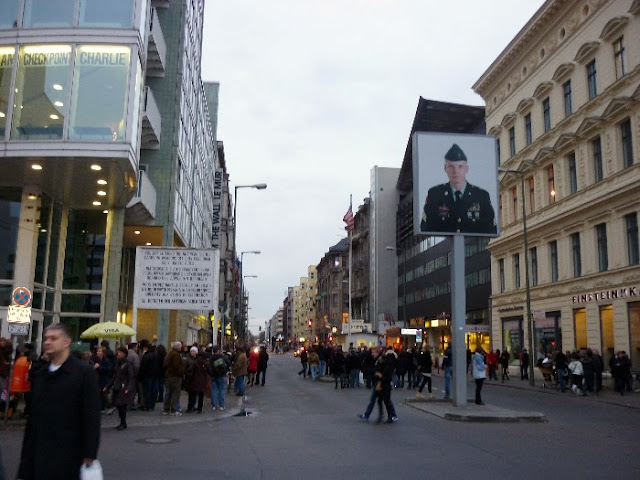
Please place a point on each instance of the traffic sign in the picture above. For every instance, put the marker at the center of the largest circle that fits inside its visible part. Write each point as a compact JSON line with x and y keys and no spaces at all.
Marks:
{"x":19,"y":314}
{"x":21,"y":297}
{"x":18,"y":328}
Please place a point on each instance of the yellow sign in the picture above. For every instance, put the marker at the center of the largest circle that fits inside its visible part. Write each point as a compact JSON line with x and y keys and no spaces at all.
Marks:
{"x":19,"y":314}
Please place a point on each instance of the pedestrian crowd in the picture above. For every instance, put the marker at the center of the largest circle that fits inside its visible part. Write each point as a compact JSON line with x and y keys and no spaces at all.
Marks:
{"x":142,"y":374}
{"x":582,"y":371}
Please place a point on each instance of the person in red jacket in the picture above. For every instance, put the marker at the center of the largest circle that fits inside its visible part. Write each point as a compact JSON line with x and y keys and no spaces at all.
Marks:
{"x":254,"y":357}
{"x":492,"y":363}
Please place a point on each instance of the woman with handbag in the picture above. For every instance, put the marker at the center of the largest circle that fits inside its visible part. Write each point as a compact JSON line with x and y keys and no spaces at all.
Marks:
{"x":123,"y":386}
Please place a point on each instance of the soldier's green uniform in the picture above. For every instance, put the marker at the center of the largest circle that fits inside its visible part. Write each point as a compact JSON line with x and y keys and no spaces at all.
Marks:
{"x":468,"y":210}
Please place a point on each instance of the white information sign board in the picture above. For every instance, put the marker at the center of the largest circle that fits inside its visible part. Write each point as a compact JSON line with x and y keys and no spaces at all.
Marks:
{"x":175,"y":278}
{"x":19,"y":314}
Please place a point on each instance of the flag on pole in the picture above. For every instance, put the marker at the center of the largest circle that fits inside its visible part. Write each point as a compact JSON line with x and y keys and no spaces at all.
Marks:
{"x":348,"y":219}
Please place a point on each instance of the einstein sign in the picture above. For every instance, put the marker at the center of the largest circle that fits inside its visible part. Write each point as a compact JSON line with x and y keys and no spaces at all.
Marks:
{"x":176,"y":278}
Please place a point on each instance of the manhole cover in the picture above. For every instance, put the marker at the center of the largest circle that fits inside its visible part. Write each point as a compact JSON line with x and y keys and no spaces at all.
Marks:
{"x":157,"y":441}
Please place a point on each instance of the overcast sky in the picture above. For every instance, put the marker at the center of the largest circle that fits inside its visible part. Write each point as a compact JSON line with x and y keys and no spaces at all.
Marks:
{"x":314,"y":93}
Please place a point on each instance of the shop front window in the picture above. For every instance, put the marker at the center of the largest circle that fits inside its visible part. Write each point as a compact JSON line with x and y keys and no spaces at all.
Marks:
{"x":512,"y":336}
{"x":101,"y":13}
{"x":100,"y":93}
{"x":580,"y":326}
{"x":6,"y":64}
{"x":548,"y":336}
{"x":606,"y":325}
{"x":49,"y":13}
{"x":634,"y":330}
{"x":77,"y":325}
{"x":84,"y":257}
{"x":10,"y":200}
{"x":41,"y":92}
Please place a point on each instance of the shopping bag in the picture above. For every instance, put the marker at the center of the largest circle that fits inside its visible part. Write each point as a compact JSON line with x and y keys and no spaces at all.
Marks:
{"x":91,"y":472}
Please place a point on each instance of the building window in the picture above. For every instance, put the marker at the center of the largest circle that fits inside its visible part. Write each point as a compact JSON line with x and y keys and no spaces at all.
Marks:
{"x":501,"y":268}
{"x":618,"y":55}
{"x":114,"y":13}
{"x":498,"y":149}
{"x":99,"y":98}
{"x":532,"y":194}
{"x":592,"y":84}
{"x":512,"y":141}
{"x":546,"y":114}
{"x":527,"y":129}
{"x":48,"y":13}
{"x":40,"y":103}
{"x":596,"y":148}
{"x":514,"y":202}
{"x":9,"y":17}
{"x":627,"y":144}
{"x":568,"y":104}
{"x":573,"y":174}
{"x":603,"y":257}
{"x":533,"y":255}
{"x":633,"y":246}
{"x":6,"y":66}
{"x":553,"y":253}
{"x":500,"y":209}
{"x":575,"y":252}
{"x":551,"y":184}
{"x":516,"y":271}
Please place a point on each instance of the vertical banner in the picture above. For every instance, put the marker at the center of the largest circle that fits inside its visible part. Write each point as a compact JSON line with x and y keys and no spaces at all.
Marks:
{"x":217,"y":208}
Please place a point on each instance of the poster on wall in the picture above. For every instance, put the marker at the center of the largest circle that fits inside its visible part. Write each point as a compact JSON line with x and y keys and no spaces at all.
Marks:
{"x":455,"y":184}
{"x":176,"y":278}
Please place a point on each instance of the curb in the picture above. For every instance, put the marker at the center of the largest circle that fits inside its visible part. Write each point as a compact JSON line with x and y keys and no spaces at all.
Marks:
{"x":443,"y":408}
{"x":484,"y":419}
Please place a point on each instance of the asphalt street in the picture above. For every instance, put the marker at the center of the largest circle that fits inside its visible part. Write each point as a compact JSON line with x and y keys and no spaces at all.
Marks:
{"x":299,"y":428}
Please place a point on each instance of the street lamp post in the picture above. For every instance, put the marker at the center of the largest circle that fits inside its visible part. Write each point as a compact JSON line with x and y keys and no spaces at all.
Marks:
{"x":527,"y":286}
{"x":257,"y":186}
{"x":245,"y":325}
{"x":241,"y":279}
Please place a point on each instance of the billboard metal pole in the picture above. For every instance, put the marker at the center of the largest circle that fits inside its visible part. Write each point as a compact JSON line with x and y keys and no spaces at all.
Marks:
{"x":458,"y":313}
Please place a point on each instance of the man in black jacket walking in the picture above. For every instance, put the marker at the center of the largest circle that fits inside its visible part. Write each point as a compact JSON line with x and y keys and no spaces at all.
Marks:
{"x":63,"y":430}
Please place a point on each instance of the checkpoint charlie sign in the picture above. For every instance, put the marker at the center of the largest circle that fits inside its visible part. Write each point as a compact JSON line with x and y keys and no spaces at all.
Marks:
{"x":175,"y":278}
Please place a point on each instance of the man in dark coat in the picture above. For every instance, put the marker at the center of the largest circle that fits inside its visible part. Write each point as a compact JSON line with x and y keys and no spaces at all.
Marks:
{"x":63,"y":430}
{"x":457,"y":206}
{"x":263,"y":360}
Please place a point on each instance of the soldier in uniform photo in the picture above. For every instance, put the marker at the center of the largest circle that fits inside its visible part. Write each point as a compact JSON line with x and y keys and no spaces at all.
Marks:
{"x":457,"y":206}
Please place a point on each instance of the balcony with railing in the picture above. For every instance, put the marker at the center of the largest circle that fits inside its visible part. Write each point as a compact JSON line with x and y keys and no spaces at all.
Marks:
{"x":141,"y":209}
{"x":151,"y":122}
{"x":157,"y":50}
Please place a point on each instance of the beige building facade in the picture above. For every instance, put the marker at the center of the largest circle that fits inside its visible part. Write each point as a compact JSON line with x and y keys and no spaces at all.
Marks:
{"x":563,"y":99}
{"x":304,"y":304}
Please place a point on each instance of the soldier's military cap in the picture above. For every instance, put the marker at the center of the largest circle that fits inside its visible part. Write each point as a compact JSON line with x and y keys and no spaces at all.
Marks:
{"x":455,"y":154}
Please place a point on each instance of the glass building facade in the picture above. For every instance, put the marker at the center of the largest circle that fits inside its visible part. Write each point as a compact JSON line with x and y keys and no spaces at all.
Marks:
{"x":80,"y":126}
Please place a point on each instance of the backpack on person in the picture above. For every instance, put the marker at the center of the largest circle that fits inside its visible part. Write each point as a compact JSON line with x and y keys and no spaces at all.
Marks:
{"x":219,"y":367}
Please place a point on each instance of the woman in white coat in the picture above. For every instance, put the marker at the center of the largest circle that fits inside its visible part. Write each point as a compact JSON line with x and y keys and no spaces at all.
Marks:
{"x":479,"y":371}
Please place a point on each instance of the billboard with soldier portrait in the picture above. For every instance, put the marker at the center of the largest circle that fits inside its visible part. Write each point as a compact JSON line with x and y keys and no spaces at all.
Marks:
{"x":455,"y":184}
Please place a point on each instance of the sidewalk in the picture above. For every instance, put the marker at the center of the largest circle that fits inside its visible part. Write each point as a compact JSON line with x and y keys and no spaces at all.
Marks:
{"x":606,"y":396}
{"x":139,"y":418}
